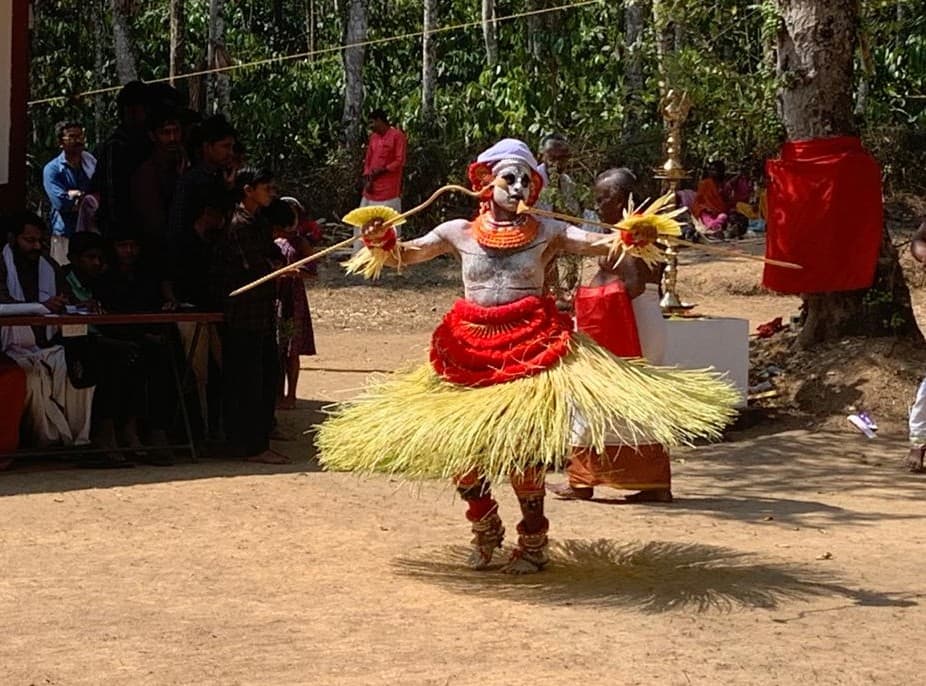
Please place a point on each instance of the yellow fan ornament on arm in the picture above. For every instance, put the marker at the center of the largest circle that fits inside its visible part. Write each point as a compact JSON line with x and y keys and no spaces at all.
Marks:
{"x":641,"y":227}
{"x":364,"y":215}
{"x":370,"y":261}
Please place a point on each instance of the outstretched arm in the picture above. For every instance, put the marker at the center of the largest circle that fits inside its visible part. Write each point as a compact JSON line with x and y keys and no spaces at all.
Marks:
{"x":383,"y":251}
{"x":429,"y":246}
{"x":579,"y":242}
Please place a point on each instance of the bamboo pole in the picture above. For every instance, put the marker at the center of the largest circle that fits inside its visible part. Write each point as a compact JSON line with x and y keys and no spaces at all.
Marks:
{"x":348,"y":241}
{"x":525,"y":209}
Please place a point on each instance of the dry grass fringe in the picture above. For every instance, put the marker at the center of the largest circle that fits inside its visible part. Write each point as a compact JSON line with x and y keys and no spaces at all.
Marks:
{"x":420,"y":426}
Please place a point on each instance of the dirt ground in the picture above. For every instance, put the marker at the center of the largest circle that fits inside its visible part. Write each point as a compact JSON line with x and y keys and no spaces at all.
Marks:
{"x":792,"y":554}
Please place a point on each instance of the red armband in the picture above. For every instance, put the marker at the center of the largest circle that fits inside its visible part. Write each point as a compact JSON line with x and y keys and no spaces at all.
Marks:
{"x":387,"y":242}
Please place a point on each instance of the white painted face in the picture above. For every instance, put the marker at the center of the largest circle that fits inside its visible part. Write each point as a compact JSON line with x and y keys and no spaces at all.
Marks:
{"x":515,"y":186}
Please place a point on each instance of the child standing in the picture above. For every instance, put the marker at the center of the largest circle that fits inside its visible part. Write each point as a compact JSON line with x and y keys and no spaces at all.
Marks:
{"x":292,"y":232}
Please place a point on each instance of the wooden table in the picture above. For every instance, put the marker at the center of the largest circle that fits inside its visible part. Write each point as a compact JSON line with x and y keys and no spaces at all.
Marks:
{"x":127,"y":319}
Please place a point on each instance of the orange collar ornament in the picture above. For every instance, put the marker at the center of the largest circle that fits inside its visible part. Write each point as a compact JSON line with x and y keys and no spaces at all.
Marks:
{"x":490,"y":233}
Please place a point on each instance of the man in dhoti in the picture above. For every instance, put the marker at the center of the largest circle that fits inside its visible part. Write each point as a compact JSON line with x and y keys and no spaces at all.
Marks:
{"x":620,"y":310}
{"x":56,"y":412}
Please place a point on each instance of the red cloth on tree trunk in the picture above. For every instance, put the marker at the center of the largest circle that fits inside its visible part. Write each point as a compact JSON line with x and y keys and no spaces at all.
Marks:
{"x":825,"y":214}
{"x":605,"y":313}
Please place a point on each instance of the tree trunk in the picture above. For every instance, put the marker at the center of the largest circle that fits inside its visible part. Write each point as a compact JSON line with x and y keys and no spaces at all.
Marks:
{"x":99,"y":62}
{"x":277,"y":7}
{"x":218,"y":95}
{"x":353,"y":72}
{"x":428,"y":60}
{"x":177,"y":42}
{"x":635,"y":15}
{"x":634,"y":25}
{"x":537,"y":27}
{"x":665,"y":36}
{"x":490,"y":32}
{"x":122,"y":41}
{"x":816,"y":47}
{"x":310,"y":27}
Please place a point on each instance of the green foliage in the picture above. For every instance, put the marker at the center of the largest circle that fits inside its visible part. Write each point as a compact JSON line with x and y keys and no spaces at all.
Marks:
{"x":565,"y":71}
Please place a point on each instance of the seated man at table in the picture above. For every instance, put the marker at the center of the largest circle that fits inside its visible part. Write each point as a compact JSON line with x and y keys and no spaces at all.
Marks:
{"x":56,"y":412}
{"x":114,"y":363}
{"x":131,"y":288}
{"x":87,"y":261}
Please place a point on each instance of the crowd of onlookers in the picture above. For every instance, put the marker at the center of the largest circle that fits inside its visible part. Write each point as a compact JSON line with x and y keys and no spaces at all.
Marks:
{"x":165,"y":215}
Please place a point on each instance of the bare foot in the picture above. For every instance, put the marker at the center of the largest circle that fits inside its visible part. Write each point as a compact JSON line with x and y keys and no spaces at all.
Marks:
{"x":914,"y":459}
{"x":269,"y":457}
{"x":656,"y":495}
{"x":570,"y":492}
{"x":286,"y":404}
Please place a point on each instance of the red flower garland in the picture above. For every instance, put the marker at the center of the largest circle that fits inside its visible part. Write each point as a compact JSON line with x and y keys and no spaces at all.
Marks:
{"x":482,"y":346}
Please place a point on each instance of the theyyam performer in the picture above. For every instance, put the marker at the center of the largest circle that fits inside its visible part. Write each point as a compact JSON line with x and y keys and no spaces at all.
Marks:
{"x":507,"y":374}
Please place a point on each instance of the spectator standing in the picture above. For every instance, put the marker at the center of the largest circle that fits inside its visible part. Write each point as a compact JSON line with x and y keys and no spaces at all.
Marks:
{"x":250,"y":357}
{"x":559,"y":194}
{"x":145,"y":389}
{"x":214,"y":144}
{"x":383,"y":166}
{"x":119,"y":156}
{"x":56,"y":411}
{"x":295,"y":336}
{"x":191,"y":267}
{"x":559,"y":190}
{"x":154,"y":182}
{"x":67,"y":180}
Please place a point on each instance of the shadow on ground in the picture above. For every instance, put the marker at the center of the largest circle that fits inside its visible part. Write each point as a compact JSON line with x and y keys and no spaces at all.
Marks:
{"x":652,"y":577}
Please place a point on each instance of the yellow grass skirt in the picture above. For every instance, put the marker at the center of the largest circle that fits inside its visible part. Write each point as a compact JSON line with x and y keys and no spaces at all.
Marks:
{"x":418,"y":425}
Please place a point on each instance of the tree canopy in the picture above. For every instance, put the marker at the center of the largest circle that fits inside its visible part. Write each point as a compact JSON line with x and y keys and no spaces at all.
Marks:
{"x":593,"y":71}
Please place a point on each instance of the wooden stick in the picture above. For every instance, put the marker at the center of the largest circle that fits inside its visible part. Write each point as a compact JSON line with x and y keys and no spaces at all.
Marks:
{"x":678,"y":241}
{"x":348,"y":241}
